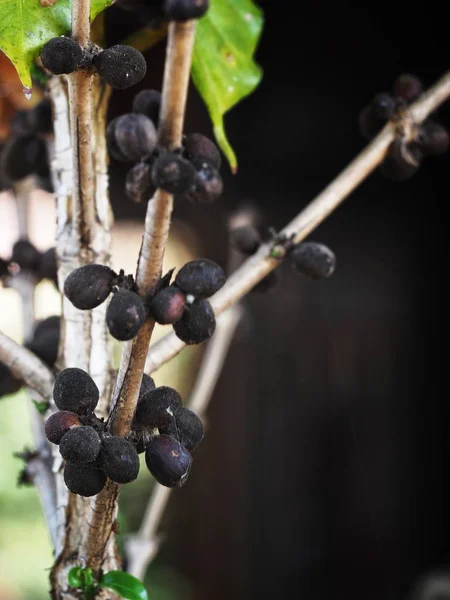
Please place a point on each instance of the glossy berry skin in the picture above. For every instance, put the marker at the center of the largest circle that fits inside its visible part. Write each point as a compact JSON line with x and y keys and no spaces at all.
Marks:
{"x":48,"y":266}
{"x":119,"y":460}
{"x":157,"y":407}
{"x":407,"y":87}
{"x":148,"y":103}
{"x":208,"y":184}
{"x":167,"y":306}
{"x":401,"y":162}
{"x":89,"y":286}
{"x":173,"y":174}
{"x":75,"y":391}
{"x":312,"y":259}
{"x":147,"y":385}
{"x":61,"y":55}
{"x":187,"y":428}
{"x":184,"y":10}
{"x":131,"y":137}
{"x":26,"y":256}
{"x":168,"y":461}
{"x":80,"y":445}
{"x":197,"y":324}
{"x":125,"y":315}
{"x":199,"y":146}
{"x":59,"y":423}
{"x":201,"y":278}
{"x":84,"y":480}
{"x":246,"y":239}
{"x":138,"y":183}
{"x":433,"y":138}
{"x":22,"y":156}
{"x":121,"y":66}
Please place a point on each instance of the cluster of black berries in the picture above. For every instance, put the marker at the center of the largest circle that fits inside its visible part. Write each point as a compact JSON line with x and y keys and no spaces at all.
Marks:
{"x":167,"y":432}
{"x":403,"y":158}
{"x":168,"y":10}
{"x":89,"y":286}
{"x":44,"y":343}
{"x":120,"y":66}
{"x":184,"y":303}
{"x":25,"y":151}
{"x":26,"y":258}
{"x":191,"y":172}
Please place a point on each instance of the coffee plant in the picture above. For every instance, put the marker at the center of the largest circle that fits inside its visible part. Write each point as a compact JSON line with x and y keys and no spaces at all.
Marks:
{"x":92,"y":423}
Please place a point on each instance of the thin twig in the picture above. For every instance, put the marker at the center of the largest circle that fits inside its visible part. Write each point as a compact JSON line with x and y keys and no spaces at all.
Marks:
{"x":175,"y":86}
{"x":142,"y":548}
{"x":259,"y":265}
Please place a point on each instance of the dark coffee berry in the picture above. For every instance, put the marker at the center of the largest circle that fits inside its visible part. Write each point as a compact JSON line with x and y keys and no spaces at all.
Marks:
{"x":61,"y":55}
{"x":46,"y":325}
{"x":157,"y":407}
{"x":48,"y":266}
{"x":369,"y":123}
{"x":26,"y":256}
{"x":197,"y":324}
{"x":40,"y":118}
{"x":142,"y":441}
{"x":312,"y":259}
{"x":384,"y":106}
{"x":121,"y":66}
{"x":119,"y":460}
{"x":199,"y":146}
{"x":22,"y":156}
{"x":80,"y":445}
{"x":201,"y":278}
{"x":59,"y":423}
{"x":208,"y":184}
{"x":125,"y":315}
{"x":148,"y":102}
{"x":168,"y":305}
{"x":134,"y":137}
{"x":84,"y":480}
{"x":45,"y":346}
{"x":19,"y":124}
{"x":407,"y":87}
{"x":184,"y":10}
{"x":168,"y":461}
{"x":138,"y":183}
{"x":187,"y":428}
{"x":402,"y":161}
{"x":433,"y":138}
{"x":246,"y":239}
{"x":173,"y":173}
{"x":75,"y":391}
{"x":147,"y":385}
{"x":89,"y":286}
{"x":8,"y":383}
{"x":269,"y":283}
{"x":111,"y":143}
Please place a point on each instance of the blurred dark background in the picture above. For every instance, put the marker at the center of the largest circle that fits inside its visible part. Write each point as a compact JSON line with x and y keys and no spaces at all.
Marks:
{"x":324,"y":473}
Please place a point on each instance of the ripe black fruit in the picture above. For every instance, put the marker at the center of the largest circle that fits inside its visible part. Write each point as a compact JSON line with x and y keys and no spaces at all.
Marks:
{"x":168,"y":461}
{"x":119,"y":460}
{"x":8,"y":383}
{"x":147,"y":385}
{"x":157,"y":407}
{"x":89,"y":286}
{"x":407,"y":87}
{"x":21,"y":156}
{"x":187,"y":428}
{"x":148,"y":102}
{"x":199,"y":146}
{"x":26,"y":256}
{"x":125,"y":315}
{"x":312,"y":259}
{"x":131,"y":137}
{"x":45,"y":346}
{"x":201,"y":278}
{"x":197,"y":324}
{"x":433,"y":138}
{"x":46,"y":325}
{"x":59,"y":423}
{"x":40,"y":118}
{"x":75,"y":391}
{"x":138,"y":183}
{"x":374,"y":117}
{"x":208,"y":184}
{"x":48,"y":266}
{"x":80,"y":445}
{"x":402,"y":161}
{"x":61,"y":55}
{"x":183,"y":10}
{"x":246,"y":239}
{"x":85,"y":480}
{"x":167,"y":306}
{"x":121,"y":66}
{"x":173,"y":173}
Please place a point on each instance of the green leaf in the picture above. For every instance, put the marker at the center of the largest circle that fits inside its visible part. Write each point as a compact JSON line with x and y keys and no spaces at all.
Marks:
{"x":25,"y":26}
{"x":75,"y":577}
{"x":223,"y":68}
{"x":124,"y":584}
{"x":41,"y":407}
